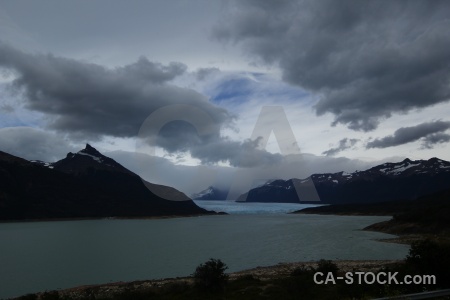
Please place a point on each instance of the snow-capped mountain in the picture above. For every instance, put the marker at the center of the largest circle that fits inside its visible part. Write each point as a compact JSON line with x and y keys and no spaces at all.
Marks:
{"x":88,"y":157}
{"x":211,"y":193}
{"x":389,"y":181}
{"x":391,"y":170}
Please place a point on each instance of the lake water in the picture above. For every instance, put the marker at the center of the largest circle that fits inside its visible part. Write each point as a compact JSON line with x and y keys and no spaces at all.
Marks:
{"x":40,"y":256}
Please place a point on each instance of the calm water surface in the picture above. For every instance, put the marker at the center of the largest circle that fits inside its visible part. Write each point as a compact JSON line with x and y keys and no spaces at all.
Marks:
{"x":50,"y":255}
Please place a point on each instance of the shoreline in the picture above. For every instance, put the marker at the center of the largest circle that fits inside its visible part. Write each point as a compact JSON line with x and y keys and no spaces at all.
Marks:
{"x":112,"y":218}
{"x":266,"y":273}
{"x":406,"y":232}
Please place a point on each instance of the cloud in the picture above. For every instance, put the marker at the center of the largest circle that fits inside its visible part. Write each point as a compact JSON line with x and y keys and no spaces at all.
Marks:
{"x":431,"y":132}
{"x":180,"y":136}
{"x":242,"y":154}
{"x":366,"y":60}
{"x":88,"y":101}
{"x":436,"y":138}
{"x":34,"y":144}
{"x":6,"y":108}
{"x":343,"y":145}
{"x":237,"y":89}
{"x":203,"y":73}
{"x":192,"y":179}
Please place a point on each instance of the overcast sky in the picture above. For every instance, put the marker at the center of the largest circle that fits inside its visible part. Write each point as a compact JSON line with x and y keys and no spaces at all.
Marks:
{"x":196,"y":87}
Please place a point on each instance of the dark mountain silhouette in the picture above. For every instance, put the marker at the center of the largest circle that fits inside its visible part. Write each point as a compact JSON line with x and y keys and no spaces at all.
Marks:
{"x":390,"y":181}
{"x":86,"y":184}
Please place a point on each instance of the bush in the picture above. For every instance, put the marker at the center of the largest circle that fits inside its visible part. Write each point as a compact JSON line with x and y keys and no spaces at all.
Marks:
{"x":28,"y":297}
{"x":327,"y":266}
{"x":211,"y":275}
{"x":53,"y":295}
{"x":303,"y":271}
{"x":429,"y":257}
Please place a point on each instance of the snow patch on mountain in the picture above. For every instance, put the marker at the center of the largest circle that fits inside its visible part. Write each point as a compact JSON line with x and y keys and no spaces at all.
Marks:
{"x":43,"y":163}
{"x":97,"y":159}
{"x":404,"y":168}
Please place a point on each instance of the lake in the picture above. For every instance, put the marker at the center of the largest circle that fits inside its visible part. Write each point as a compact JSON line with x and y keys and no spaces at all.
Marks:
{"x":38,"y":256}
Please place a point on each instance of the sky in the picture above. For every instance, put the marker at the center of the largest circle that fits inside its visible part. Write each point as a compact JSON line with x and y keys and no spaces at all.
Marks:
{"x":226,"y":93}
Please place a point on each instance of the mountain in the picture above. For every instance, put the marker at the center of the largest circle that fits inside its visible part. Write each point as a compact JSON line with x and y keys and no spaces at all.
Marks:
{"x":88,"y":158}
{"x":211,"y":193}
{"x":85,"y":184}
{"x":390,"y":181}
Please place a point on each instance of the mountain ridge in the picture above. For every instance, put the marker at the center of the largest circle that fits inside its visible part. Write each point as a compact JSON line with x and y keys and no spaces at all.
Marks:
{"x":389,"y":181}
{"x":85,"y":184}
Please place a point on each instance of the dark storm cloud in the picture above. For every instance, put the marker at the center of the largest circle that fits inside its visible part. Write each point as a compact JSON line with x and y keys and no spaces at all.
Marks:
{"x":431,"y":133}
{"x":344,"y":144}
{"x":367,"y":59}
{"x":88,"y":101}
{"x":437,"y":138}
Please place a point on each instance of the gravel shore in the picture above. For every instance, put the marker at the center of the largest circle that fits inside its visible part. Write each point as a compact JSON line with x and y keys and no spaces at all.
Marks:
{"x":263,"y":273}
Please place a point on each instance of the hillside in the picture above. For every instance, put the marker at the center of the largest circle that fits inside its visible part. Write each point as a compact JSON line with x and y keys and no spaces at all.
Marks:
{"x":425,"y":215}
{"x":405,"y":180}
{"x":86,"y":184}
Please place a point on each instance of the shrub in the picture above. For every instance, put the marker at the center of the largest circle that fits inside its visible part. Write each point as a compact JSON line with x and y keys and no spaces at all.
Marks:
{"x":429,"y":257}
{"x":327,"y":266}
{"x":28,"y":297}
{"x":211,"y":275}
{"x":52,"y":295}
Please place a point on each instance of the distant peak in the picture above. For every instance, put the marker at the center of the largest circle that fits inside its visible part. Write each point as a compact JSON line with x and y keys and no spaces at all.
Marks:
{"x":406,"y":160}
{"x":91,"y":151}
